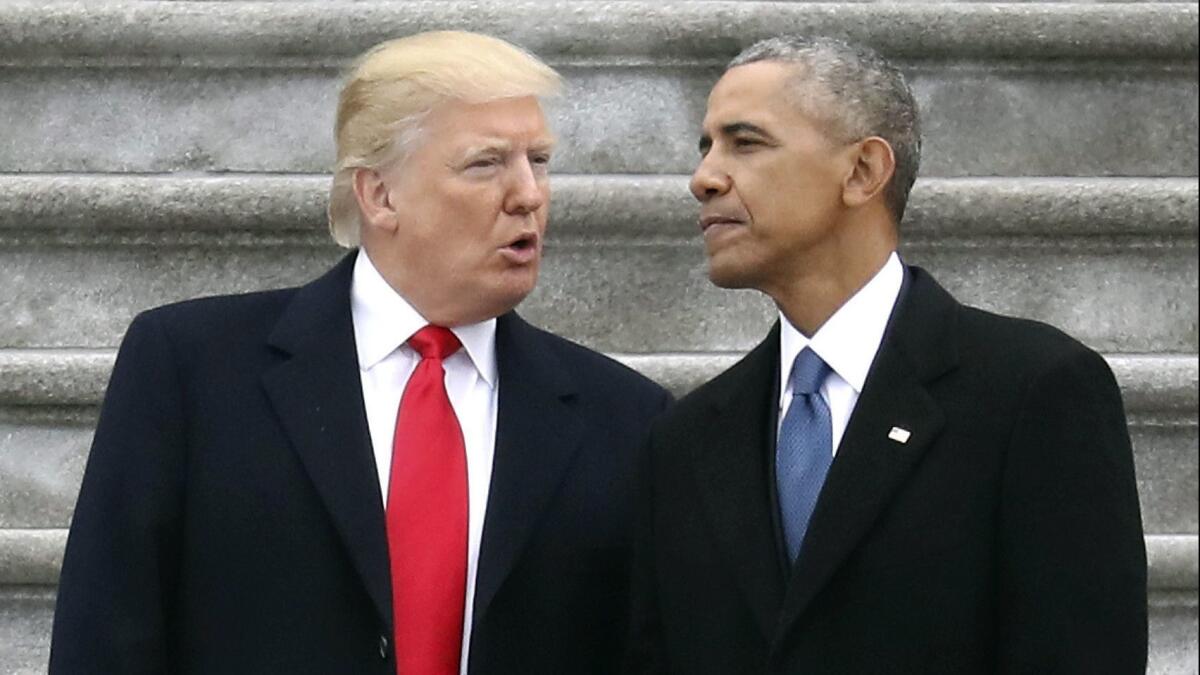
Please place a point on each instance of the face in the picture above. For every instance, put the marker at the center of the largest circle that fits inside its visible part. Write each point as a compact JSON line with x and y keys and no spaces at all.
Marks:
{"x":470,"y":205}
{"x":769,"y":184}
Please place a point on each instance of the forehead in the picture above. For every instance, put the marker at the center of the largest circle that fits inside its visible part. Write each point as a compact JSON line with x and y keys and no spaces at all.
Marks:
{"x":518,"y":120}
{"x":754,"y":92}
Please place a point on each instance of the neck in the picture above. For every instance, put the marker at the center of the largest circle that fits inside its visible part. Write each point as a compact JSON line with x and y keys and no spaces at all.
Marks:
{"x":828,"y":276}
{"x":431,"y":301}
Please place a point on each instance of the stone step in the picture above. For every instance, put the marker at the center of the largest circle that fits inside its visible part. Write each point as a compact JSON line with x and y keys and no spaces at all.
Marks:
{"x":670,"y":28}
{"x":1112,"y":261}
{"x":26,"y":616}
{"x":593,"y":205}
{"x":679,"y":29}
{"x":27,"y":606}
{"x":48,"y":399}
{"x":980,"y":119}
{"x":1151,"y":384}
{"x":1006,"y":89}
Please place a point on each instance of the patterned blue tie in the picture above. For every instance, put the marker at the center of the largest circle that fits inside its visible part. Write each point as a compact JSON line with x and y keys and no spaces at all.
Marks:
{"x":805,"y":449}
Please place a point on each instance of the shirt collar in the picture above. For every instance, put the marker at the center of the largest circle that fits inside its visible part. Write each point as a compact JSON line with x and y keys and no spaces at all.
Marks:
{"x":849,"y":340}
{"x":384,"y":321}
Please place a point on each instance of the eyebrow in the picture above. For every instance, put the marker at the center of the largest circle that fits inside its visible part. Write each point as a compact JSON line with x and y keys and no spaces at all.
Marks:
{"x":544,"y":144}
{"x":502,"y":146}
{"x":731,"y":129}
{"x":738,"y":127}
{"x":491,"y":145}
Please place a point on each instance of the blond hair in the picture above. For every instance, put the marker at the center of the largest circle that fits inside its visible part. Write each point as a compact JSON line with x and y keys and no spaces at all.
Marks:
{"x":396,"y":83}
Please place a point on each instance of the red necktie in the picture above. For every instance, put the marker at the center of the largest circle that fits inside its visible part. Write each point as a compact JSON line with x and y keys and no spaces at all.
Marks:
{"x":427,"y":516}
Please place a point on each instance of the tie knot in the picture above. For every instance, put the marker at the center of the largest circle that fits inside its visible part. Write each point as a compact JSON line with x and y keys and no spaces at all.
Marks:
{"x":434,"y":342}
{"x":808,"y":372}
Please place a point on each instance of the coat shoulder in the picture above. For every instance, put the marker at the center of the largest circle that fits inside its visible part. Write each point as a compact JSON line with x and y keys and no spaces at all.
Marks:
{"x":217,"y":322}
{"x":598,"y":370}
{"x":220,"y":314}
{"x":1016,"y":345}
{"x":749,"y":376}
{"x":932,"y":327}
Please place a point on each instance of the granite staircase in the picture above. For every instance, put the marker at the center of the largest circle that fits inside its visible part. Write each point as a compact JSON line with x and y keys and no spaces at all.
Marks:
{"x":153,"y":151}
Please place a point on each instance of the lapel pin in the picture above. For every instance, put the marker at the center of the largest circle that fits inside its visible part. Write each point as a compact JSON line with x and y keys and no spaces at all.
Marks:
{"x":899,"y":435}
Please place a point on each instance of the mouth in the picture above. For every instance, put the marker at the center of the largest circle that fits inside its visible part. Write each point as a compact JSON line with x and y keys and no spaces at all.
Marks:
{"x":523,"y":249}
{"x":710,"y":221}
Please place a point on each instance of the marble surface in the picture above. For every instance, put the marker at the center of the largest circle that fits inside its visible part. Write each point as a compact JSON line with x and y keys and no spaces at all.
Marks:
{"x":980,"y":119}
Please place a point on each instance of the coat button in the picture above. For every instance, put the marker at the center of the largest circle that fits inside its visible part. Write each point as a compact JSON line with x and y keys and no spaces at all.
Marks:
{"x":383,"y":647}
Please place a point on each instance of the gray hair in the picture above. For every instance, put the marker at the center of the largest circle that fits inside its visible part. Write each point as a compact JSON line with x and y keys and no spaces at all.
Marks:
{"x":853,"y":93}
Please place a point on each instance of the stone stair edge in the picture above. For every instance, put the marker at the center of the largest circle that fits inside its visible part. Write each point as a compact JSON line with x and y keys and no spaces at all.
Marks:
{"x":34,"y":557}
{"x":1150,"y":383}
{"x":178,"y":31}
{"x":595,"y":204}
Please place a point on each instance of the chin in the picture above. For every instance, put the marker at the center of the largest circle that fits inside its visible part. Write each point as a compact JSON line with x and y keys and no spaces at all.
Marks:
{"x":506,"y":297}
{"x":728,"y":276}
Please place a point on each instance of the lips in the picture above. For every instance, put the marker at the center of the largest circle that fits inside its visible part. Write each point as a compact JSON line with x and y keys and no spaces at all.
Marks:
{"x":524,"y":241}
{"x":522,"y":249}
{"x":710,"y":220}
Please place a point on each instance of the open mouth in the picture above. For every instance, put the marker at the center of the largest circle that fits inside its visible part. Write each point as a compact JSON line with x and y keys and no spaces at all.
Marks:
{"x":525,"y":242}
{"x":522,"y":250}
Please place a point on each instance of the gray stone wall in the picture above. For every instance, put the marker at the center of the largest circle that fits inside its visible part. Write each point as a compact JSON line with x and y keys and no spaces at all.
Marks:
{"x":153,"y":151}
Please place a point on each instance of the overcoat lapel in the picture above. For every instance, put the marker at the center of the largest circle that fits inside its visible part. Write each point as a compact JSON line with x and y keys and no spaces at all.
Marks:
{"x":317,"y":394}
{"x":729,"y":464}
{"x":870,"y":466}
{"x":538,"y":432}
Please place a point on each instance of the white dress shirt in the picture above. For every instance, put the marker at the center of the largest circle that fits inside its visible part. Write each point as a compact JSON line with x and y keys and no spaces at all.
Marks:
{"x":847,"y":342}
{"x":383,"y":323}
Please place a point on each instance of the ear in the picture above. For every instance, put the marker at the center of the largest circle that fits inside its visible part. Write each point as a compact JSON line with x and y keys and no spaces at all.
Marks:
{"x":872,"y":169}
{"x":374,"y":200}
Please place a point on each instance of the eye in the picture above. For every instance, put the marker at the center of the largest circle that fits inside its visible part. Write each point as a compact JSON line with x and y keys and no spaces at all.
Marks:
{"x":540,"y":159}
{"x":743,"y":142}
{"x":482,"y":162}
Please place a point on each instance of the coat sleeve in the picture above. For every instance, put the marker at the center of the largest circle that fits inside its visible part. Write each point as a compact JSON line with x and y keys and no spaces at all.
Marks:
{"x":1072,"y":562}
{"x":120,"y":568}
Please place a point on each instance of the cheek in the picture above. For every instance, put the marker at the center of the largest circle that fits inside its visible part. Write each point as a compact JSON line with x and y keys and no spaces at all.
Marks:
{"x":468,"y":214}
{"x":761,"y":191}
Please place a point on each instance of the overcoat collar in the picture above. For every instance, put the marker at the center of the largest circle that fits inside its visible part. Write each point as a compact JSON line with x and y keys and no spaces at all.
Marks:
{"x":729,"y":462}
{"x":538,"y":431}
{"x":918,"y":348}
{"x":317,"y":394}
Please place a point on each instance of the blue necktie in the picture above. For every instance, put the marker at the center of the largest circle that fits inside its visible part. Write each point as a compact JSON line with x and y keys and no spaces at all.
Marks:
{"x":805,"y":449}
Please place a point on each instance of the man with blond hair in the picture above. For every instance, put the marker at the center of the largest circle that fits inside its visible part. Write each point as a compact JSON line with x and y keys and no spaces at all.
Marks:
{"x":385,"y":470}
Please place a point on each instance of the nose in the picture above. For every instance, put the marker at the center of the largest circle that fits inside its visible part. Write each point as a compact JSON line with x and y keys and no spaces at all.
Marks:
{"x":527,"y":189}
{"x":709,"y":180}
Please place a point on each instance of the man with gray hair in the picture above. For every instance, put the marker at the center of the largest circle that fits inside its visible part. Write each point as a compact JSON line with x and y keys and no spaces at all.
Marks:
{"x":385,"y":470}
{"x":891,"y":482}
